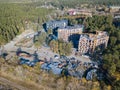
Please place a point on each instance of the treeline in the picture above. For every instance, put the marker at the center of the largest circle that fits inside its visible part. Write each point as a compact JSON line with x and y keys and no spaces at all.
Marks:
{"x":111,"y":55}
{"x":14,"y":16}
{"x":65,"y":3}
{"x":18,"y":1}
{"x":73,"y":3}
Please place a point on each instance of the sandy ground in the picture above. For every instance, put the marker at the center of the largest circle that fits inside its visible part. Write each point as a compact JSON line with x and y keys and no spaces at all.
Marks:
{"x":11,"y":45}
{"x":43,"y":52}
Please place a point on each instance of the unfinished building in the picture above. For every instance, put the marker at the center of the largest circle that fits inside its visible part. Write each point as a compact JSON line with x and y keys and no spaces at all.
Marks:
{"x":89,"y":42}
{"x":70,"y":32}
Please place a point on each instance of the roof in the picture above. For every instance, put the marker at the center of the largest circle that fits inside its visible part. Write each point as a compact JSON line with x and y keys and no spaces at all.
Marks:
{"x":72,"y":27}
{"x":56,"y":24}
{"x":91,"y":36}
{"x":56,"y":21}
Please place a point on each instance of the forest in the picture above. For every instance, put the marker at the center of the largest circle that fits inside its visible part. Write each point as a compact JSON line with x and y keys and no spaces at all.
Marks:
{"x":13,"y":18}
{"x":65,"y":3}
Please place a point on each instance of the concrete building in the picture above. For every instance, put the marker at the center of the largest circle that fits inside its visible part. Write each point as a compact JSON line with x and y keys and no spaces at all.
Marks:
{"x":69,"y":32}
{"x":89,"y":42}
{"x":55,"y":24}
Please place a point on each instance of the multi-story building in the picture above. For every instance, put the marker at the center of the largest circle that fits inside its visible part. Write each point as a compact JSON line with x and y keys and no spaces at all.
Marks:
{"x":55,"y":24}
{"x":69,"y":32}
{"x":89,"y":42}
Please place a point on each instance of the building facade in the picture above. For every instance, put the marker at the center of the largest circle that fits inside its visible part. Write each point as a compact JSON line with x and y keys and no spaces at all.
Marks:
{"x":89,"y":42}
{"x":55,"y":24}
{"x":68,"y":33}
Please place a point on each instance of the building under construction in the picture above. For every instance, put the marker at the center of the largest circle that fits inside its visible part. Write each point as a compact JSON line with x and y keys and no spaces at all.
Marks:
{"x":69,"y":32}
{"x":89,"y":42}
